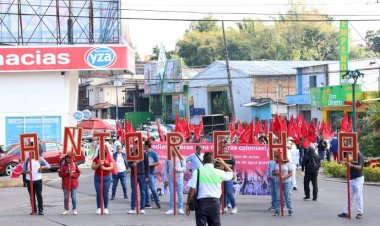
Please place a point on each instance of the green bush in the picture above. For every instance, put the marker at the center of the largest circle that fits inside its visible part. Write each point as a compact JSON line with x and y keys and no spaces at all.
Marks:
{"x":338,"y":170}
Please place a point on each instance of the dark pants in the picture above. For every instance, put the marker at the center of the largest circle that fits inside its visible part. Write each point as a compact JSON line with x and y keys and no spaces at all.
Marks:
{"x":141,"y":182}
{"x":106,"y":188}
{"x":306,"y":181}
{"x":37,"y":191}
{"x":328,"y":155}
{"x":123,"y":180}
{"x":208,"y":212}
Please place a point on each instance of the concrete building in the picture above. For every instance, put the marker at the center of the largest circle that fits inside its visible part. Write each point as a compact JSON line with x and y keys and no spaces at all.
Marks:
{"x":259,"y":87}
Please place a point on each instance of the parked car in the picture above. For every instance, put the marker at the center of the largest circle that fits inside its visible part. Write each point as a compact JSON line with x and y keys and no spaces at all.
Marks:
{"x":52,"y":152}
{"x":170,"y":127}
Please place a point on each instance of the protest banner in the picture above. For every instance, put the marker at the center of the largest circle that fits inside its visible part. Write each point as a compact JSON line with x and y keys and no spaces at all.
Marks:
{"x":101,"y":155}
{"x":29,"y":143}
{"x":347,"y":146}
{"x":137,"y":154}
{"x":72,"y":140}
{"x":251,"y":166}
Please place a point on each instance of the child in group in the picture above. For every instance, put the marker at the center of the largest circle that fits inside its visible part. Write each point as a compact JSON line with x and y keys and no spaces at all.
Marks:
{"x":69,"y":172}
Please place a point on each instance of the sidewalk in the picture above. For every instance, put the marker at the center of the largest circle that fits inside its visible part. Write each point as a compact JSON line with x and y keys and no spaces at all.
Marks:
{"x":323,"y":176}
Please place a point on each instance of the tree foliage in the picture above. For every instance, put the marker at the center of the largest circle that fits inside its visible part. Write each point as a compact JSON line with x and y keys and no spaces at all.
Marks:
{"x":221,"y":104}
{"x":369,"y":137}
{"x":284,"y":39}
{"x":373,"y":38}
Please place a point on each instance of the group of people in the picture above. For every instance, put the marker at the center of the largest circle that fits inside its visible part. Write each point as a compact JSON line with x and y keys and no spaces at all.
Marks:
{"x":310,"y":163}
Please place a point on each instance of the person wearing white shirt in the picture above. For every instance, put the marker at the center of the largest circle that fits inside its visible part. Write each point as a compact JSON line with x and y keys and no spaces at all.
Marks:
{"x":116,"y":143}
{"x":195,"y":158}
{"x":36,"y":170}
{"x":293,"y":157}
{"x":209,"y":190}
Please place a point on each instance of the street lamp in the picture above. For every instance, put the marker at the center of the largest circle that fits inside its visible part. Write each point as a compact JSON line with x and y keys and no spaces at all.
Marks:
{"x":352,"y":77}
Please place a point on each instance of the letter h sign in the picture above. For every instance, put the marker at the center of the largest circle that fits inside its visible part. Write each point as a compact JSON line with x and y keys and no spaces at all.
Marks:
{"x":347,"y":143}
{"x":277,"y":146}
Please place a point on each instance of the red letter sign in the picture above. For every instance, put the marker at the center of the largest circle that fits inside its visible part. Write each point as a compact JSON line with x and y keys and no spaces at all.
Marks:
{"x":75,"y":144}
{"x":29,"y":143}
{"x":101,"y":144}
{"x":277,"y":146}
{"x":347,"y":143}
{"x":218,"y":146}
{"x":173,"y":141}
{"x":131,"y":156}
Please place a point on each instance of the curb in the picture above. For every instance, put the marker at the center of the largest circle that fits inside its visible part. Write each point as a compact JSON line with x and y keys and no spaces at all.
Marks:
{"x":323,"y":176}
{"x":16,"y":182}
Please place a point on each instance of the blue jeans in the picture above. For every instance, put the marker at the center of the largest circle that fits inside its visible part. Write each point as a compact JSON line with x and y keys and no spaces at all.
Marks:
{"x":272,"y":193}
{"x":123,"y":180}
{"x":179,"y":184}
{"x":229,"y":193}
{"x":287,"y":196}
{"x":141,"y":183}
{"x":73,"y":194}
{"x":106,"y":188}
{"x":150,"y":185}
{"x":321,"y":154}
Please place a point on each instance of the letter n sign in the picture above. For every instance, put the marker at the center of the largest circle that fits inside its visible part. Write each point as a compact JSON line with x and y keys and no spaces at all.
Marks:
{"x":280,"y":145}
{"x":131,"y":155}
{"x":74,"y":135}
{"x":347,"y":143}
{"x":29,"y":143}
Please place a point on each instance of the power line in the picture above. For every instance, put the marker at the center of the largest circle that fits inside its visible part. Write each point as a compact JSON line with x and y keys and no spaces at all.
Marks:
{"x":203,"y":12}
{"x":197,"y":20}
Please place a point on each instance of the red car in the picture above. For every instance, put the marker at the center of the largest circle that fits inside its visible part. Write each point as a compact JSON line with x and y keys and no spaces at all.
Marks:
{"x":52,"y":152}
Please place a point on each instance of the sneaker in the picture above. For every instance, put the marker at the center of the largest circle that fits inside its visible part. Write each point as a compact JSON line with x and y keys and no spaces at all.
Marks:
{"x":270,"y":209}
{"x":142,"y":212}
{"x":131,"y":212}
{"x":295,"y":189}
{"x":314,"y":199}
{"x":234,"y":210}
{"x":148,"y":206}
{"x":105,"y":211}
{"x":75,"y":212}
{"x":359,"y":216}
{"x":158,"y":206}
{"x":113,"y":198}
{"x":290,"y":213}
{"x":180,"y":211}
{"x":306,"y":197}
{"x":225,"y":210}
{"x":229,"y":206}
{"x":98,"y":211}
{"x":125,"y":196}
{"x":169,"y":212}
{"x":65,"y":212}
{"x":343,"y":215}
{"x":276,"y":213}
{"x":40,"y":212}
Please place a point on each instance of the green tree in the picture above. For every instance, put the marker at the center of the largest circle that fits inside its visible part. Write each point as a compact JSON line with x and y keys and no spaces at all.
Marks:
{"x":373,"y":38}
{"x":369,"y":136}
{"x":207,"y":24}
{"x":221,"y":104}
{"x":169,"y":54}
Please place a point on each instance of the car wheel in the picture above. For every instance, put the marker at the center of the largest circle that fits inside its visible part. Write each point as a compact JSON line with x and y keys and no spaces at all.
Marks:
{"x":9,"y":168}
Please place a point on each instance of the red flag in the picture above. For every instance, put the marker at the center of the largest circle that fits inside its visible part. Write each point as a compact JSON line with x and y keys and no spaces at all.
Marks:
{"x":277,"y":124}
{"x":271,"y":128}
{"x":231,"y":127}
{"x":129,"y":127}
{"x":160,"y":134}
{"x":240,"y":128}
{"x":266,"y":126}
{"x":259,"y":128}
{"x":311,"y":133}
{"x":344,"y":126}
{"x":17,"y":171}
{"x":120,"y":132}
{"x":198,"y":130}
{"x":185,"y":128}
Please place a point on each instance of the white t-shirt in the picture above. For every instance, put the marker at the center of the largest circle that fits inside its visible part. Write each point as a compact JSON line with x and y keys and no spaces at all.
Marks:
{"x":285,"y":169}
{"x":120,"y":163}
{"x":35,"y":166}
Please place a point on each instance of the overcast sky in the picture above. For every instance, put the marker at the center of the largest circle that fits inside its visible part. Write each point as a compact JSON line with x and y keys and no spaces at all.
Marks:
{"x":145,"y":34}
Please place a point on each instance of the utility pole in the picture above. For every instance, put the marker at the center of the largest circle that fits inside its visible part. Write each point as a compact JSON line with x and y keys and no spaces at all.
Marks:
{"x":70,"y":26}
{"x":228,"y":71}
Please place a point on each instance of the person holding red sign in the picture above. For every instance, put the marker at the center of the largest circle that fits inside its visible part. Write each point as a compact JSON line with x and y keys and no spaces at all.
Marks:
{"x":37,"y":167}
{"x":69,"y":172}
{"x":356,"y":186}
{"x":286,"y":183}
{"x":180,"y":167}
{"x":122,"y":170}
{"x":107,"y":166}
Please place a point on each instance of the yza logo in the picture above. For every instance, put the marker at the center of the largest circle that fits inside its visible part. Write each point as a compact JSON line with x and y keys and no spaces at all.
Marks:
{"x":101,"y":57}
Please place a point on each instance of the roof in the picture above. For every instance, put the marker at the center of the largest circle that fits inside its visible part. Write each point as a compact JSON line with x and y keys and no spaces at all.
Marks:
{"x":271,"y":67}
{"x":102,"y":106}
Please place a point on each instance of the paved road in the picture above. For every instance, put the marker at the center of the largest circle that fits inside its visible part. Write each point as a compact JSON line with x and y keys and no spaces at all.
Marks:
{"x":14,"y":208}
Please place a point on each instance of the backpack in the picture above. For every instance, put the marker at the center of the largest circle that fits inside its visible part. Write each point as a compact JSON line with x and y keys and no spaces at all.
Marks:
{"x":313,"y":164}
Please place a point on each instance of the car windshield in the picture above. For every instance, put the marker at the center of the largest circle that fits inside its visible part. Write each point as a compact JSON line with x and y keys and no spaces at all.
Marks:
{"x":9,"y":147}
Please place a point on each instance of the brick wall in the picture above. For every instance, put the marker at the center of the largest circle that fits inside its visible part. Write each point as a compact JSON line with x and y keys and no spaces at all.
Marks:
{"x":266,"y":86}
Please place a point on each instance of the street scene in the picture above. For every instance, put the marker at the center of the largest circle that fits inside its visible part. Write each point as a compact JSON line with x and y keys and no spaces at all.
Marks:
{"x":194,"y":112}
